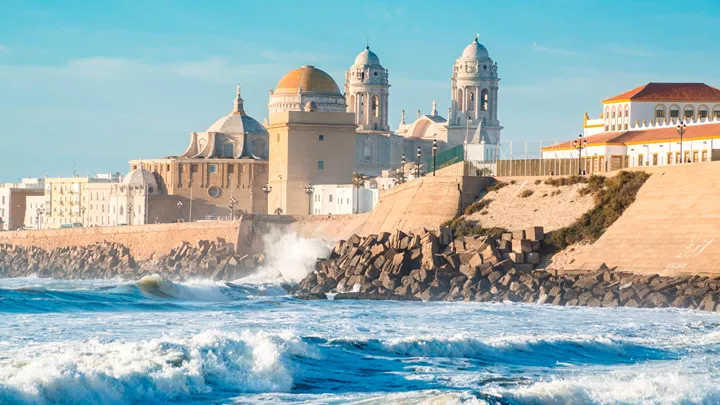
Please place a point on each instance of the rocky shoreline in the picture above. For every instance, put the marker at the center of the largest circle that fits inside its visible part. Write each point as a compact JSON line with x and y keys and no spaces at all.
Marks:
{"x":426,"y":267}
{"x":205,"y":259}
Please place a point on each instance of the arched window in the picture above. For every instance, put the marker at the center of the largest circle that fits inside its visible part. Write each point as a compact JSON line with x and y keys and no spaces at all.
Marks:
{"x":228,"y":150}
{"x":674,"y":111}
{"x":484,"y":99}
{"x":613,"y":120}
{"x":703,"y":111}
{"x":627,"y":110}
{"x":689,"y":111}
{"x":716,"y":111}
{"x":471,"y":101}
{"x":121,"y":210}
{"x":460,"y":104}
{"x":376,"y":106}
{"x":660,"y":112}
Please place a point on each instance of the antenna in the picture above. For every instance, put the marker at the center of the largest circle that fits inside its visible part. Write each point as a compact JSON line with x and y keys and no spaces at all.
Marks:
{"x":367,"y":42}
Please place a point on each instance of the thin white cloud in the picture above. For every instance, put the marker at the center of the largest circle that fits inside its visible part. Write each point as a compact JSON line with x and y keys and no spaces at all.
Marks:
{"x":557,"y":51}
{"x":4,"y":48}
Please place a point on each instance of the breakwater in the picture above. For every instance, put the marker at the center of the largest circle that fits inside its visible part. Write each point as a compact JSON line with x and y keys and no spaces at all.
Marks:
{"x":479,"y":268}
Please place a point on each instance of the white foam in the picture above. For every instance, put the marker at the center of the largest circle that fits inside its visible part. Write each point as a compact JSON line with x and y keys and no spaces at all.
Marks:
{"x":158,"y":369}
{"x":289,"y":258}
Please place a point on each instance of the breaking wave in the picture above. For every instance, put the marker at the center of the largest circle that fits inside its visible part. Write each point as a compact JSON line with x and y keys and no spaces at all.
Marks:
{"x":154,"y":370}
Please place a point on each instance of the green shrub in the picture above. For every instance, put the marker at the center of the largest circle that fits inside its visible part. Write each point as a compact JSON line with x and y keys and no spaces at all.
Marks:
{"x":610,"y":202}
{"x":477,"y":206}
{"x":538,"y":181}
{"x":526,"y":193}
{"x":497,"y":186}
{"x":595,"y":183}
{"x":463,"y":227}
{"x":513,"y":181}
{"x":555,"y":192}
{"x":566,"y":181}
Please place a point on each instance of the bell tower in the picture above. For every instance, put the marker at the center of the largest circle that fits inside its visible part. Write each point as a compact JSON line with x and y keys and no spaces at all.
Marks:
{"x":366,"y":92}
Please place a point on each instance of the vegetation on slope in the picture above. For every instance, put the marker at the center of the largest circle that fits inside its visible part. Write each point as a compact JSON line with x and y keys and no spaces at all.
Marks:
{"x":613,"y":196}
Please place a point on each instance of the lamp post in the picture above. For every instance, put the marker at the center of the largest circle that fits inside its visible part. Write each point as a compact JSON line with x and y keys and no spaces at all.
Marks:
{"x":130,"y":212}
{"x":434,"y":155}
{"x":38,"y":212}
{"x":82,"y":215}
{"x":682,"y":126}
{"x":417,"y":169}
{"x":267,"y":189}
{"x":402,"y":166}
{"x":233,"y":202}
{"x":579,"y":144}
{"x":309,"y":190}
{"x":179,"y":205}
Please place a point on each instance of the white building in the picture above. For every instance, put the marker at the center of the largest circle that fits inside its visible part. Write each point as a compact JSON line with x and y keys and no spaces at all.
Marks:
{"x":640,"y":128}
{"x":34,"y":211}
{"x":342,"y":199}
{"x":13,"y":201}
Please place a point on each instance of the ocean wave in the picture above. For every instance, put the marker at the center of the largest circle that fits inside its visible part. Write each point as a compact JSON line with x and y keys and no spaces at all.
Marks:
{"x":647,"y":384}
{"x":204,"y":364}
{"x":547,"y":350}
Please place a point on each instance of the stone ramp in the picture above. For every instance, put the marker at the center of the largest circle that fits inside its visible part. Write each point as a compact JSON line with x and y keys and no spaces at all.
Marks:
{"x":672,"y":228}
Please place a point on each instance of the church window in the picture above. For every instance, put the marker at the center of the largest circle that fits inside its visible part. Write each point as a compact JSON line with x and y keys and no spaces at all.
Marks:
{"x":716,"y":112}
{"x":321,"y":166}
{"x":212,"y":169}
{"x":375,"y":73}
{"x":362,"y":76}
{"x":330,"y":198}
{"x":375,"y":102}
{"x":460,"y":100}
{"x":471,"y":101}
{"x":214,"y":192}
{"x":321,"y":138}
{"x":674,"y":111}
{"x":484,"y":99}
{"x":228,"y":150}
{"x":193,"y":168}
{"x":485,"y":67}
{"x":121,"y":210}
{"x":258,"y":147}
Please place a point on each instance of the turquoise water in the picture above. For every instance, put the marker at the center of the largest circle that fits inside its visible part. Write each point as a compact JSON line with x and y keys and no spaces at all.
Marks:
{"x":154,"y":341}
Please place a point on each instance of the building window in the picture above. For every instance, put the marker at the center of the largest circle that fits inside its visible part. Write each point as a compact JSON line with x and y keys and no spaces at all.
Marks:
{"x":193,"y":168}
{"x":321,"y":166}
{"x":484,"y":100}
{"x":228,"y":150}
{"x":660,"y":112}
{"x":702,"y":112}
{"x":674,"y":112}
{"x":212,"y":169}
{"x":330,"y":198}
{"x":321,"y":138}
{"x":689,"y":112}
{"x":214,"y":192}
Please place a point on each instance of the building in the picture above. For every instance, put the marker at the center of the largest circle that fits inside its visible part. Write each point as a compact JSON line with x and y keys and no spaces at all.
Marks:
{"x":342,"y":199}
{"x":14,"y":201}
{"x":473,"y":113}
{"x":67,"y":199}
{"x":312,"y":139}
{"x":641,"y":128}
{"x":367,"y":96}
{"x":34,"y":210}
{"x":223,"y":168}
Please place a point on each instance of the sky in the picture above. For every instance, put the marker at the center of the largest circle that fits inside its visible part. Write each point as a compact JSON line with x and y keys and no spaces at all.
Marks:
{"x":86,"y":86}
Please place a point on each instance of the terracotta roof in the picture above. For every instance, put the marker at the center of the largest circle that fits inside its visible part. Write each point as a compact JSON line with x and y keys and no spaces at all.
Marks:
{"x":666,"y":134}
{"x":669,"y":92}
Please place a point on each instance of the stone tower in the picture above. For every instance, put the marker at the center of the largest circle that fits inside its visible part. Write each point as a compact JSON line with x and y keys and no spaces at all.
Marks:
{"x":366,"y":92}
{"x":475,"y":92}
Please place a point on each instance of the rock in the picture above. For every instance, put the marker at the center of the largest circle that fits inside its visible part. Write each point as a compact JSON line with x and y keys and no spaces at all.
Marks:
{"x":521,"y":246}
{"x":535,"y":233}
{"x":311,"y":296}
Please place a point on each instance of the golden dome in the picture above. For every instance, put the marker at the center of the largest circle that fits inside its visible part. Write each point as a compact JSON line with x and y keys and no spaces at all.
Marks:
{"x":309,"y":79}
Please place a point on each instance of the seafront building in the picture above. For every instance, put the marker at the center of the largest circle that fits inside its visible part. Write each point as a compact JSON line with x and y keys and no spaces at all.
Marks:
{"x":643,"y":127}
{"x":14,"y":201}
{"x":67,"y":199}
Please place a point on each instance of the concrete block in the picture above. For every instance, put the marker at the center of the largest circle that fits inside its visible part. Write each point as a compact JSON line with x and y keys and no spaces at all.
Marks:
{"x":525,"y":268}
{"x":517,"y":258}
{"x":536,"y":245}
{"x":535,"y":233}
{"x":532,"y":258}
{"x":505,"y":246}
{"x":446,"y":236}
{"x":507,"y":236}
{"x":521,"y":246}
{"x":517,"y":235}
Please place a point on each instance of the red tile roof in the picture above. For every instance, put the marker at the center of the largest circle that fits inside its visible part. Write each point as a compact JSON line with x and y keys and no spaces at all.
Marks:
{"x":664,"y":134}
{"x":669,"y":92}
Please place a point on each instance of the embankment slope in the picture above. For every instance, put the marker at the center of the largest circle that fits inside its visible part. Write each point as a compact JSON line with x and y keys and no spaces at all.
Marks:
{"x":672,"y":228}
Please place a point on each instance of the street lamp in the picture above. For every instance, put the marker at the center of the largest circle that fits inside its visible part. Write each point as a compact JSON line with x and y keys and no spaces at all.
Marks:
{"x":434,"y":155}
{"x":179,"y":205}
{"x":130,"y":212}
{"x":267,"y":188}
{"x":82,"y":213}
{"x":233,"y":202}
{"x":37,"y":218}
{"x":579,"y":144}
{"x":309,"y":190}
{"x":402,"y":166}
{"x":417,"y":169}
{"x":682,"y":126}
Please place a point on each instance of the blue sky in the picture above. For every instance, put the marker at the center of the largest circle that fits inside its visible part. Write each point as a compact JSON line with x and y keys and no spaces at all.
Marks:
{"x":92,"y":84}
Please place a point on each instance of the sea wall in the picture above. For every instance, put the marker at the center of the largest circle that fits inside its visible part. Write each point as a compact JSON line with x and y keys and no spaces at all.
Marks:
{"x":143,"y":241}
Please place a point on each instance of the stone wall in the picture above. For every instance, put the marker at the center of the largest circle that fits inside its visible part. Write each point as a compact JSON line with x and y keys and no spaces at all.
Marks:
{"x":142,"y":240}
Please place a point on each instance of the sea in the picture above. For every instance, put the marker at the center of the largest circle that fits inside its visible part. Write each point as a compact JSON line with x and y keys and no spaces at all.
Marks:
{"x":156,"y":341}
